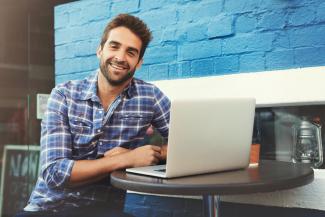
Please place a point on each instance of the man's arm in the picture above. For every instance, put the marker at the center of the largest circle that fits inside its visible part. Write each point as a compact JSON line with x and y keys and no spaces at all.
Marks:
{"x":87,"y":171}
{"x":161,"y":110}
{"x":56,"y":141}
{"x":161,"y":118}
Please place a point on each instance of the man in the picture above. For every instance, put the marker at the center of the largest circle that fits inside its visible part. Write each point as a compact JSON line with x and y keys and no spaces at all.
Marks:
{"x":96,"y":125}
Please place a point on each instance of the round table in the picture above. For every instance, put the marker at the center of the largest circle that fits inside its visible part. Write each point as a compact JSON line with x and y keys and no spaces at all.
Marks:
{"x":266,"y":177}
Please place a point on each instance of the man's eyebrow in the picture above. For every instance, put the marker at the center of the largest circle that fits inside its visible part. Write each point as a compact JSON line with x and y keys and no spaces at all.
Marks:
{"x":114,"y":42}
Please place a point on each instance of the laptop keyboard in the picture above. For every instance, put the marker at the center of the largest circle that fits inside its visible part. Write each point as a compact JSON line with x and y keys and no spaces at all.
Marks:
{"x":161,"y":170}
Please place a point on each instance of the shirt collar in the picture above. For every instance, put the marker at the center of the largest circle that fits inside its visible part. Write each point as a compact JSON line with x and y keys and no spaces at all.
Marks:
{"x":130,"y":90}
{"x":89,"y":88}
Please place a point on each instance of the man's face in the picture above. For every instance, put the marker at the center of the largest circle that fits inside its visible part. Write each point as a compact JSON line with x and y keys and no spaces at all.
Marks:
{"x":119,"y":57}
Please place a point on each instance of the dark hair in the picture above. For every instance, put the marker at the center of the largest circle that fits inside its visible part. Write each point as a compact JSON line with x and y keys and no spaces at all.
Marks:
{"x":134,"y":24}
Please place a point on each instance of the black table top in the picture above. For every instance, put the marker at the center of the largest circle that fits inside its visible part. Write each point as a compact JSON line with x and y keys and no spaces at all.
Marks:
{"x":268,"y":176}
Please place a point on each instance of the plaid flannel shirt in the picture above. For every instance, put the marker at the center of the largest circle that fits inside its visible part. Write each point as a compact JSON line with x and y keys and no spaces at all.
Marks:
{"x":76,"y":127}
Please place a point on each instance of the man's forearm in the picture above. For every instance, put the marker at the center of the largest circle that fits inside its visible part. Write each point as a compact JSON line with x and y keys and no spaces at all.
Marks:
{"x":88,"y":171}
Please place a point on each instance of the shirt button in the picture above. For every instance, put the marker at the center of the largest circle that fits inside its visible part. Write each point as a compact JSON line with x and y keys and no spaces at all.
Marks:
{"x":100,"y":143}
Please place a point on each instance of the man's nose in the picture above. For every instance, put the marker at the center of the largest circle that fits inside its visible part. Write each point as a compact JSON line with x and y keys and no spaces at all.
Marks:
{"x":120,"y":55}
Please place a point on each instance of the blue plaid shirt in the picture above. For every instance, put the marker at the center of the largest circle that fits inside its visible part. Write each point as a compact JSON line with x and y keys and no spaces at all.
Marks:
{"x":76,"y":127}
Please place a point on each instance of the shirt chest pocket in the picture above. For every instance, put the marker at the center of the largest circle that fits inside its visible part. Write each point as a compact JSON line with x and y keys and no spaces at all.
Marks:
{"x":138,"y":120}
{"x":81,"y":130}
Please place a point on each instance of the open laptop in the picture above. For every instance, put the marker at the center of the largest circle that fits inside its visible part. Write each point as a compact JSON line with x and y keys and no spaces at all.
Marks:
{"x":206,"y":135}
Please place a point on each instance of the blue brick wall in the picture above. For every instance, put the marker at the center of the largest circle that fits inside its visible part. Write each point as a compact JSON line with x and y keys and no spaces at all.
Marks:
{"x":197,"y":38}
{"x":193,"y":39}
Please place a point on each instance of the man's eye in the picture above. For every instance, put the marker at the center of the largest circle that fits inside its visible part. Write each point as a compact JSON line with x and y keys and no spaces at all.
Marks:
{"x":132,"y":54}
{"x":113,"y":45}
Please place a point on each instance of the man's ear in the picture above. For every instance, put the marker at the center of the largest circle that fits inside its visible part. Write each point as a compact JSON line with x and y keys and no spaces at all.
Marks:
{"x":139,"y":64}
{"x":99,"y":51}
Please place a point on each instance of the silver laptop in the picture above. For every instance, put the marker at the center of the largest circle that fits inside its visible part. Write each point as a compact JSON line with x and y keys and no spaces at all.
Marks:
{"x":206,"y":135}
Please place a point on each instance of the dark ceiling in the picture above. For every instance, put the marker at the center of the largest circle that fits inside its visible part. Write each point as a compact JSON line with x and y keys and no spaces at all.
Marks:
{"x":26,"y":63}
{"x":26,"y":31}
{"x":26,"y":44}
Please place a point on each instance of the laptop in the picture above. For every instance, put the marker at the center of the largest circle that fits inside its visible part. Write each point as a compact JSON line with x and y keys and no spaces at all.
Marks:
{"x":205,"y":136}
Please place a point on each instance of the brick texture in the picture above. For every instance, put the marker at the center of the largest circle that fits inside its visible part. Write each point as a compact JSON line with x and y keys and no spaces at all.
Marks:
{"x":197,"y":38}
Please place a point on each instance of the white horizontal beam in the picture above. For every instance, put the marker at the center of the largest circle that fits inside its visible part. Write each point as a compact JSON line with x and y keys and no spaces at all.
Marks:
{"x":302,"y":86}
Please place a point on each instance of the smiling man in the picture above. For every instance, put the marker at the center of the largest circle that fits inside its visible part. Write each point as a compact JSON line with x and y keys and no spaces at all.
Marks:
{"x":96,"y":125}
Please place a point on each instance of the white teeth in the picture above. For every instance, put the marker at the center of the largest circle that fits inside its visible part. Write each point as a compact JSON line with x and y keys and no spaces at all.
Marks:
{"x":117,"y":67}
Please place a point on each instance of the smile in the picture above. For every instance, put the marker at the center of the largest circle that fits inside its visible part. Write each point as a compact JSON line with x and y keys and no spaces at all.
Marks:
{"x":118,"y":66}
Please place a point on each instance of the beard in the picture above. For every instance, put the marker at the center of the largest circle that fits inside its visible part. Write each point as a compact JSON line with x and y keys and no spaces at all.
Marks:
{"x":107,"y":73}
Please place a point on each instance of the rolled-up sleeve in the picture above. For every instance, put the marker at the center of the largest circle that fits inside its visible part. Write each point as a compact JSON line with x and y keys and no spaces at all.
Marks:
{"x":161,"y":113}
{"x":56,"y":163}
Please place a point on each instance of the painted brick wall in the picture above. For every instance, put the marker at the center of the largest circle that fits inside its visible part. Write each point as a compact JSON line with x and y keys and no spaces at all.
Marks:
{"x":194,"y":38}
{"x":197,"y":38}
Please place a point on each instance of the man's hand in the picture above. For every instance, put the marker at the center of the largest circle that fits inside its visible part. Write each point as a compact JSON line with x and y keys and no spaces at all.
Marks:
{"x":116,"y":151}
{"x":144,"y":156}
{"x":163,"y":152}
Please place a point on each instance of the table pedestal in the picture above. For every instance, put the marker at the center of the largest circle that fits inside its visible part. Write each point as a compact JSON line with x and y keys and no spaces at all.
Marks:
{"x":211,"y":206}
